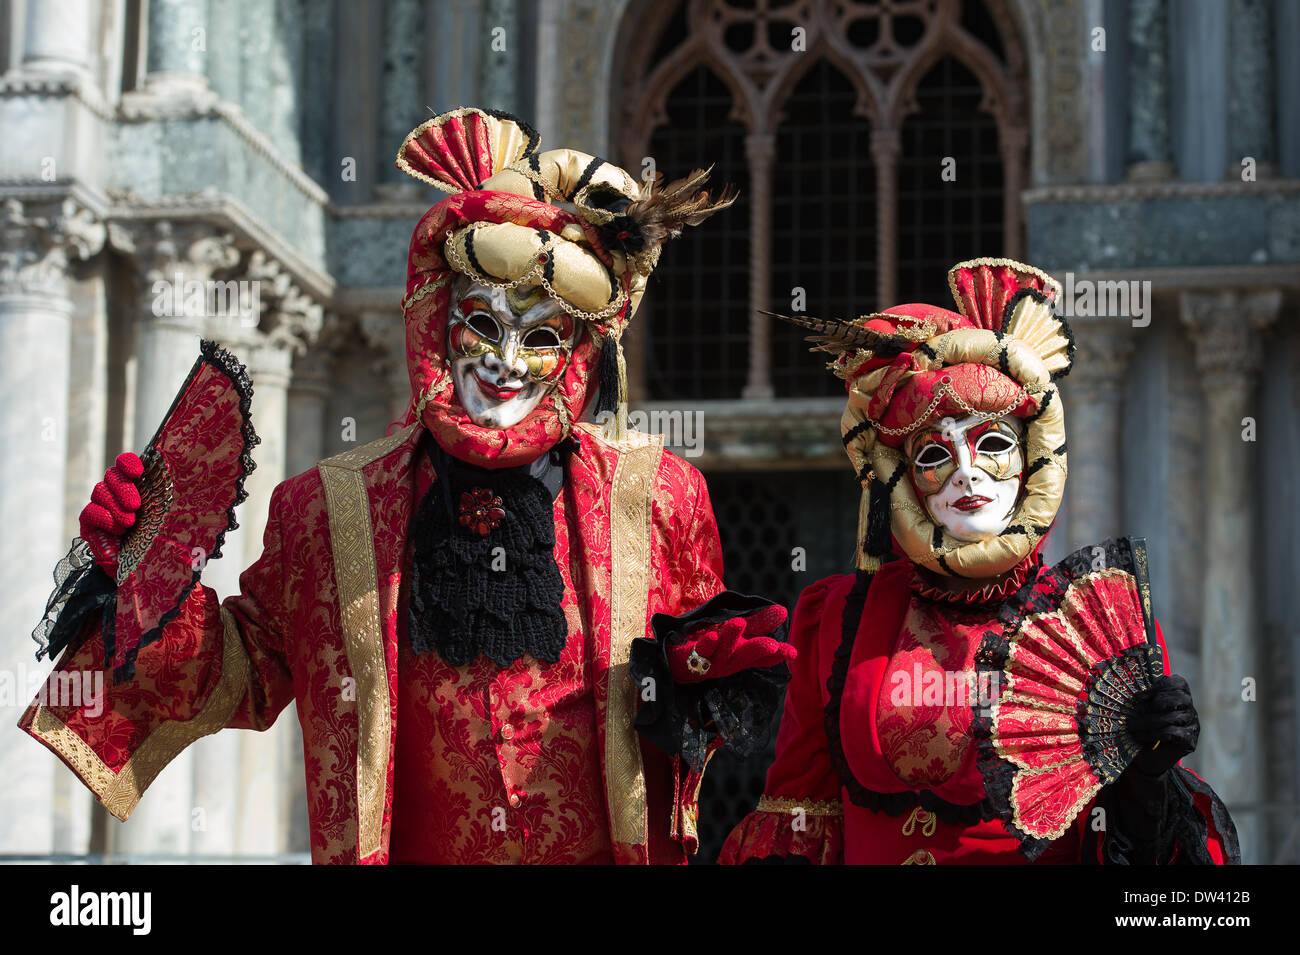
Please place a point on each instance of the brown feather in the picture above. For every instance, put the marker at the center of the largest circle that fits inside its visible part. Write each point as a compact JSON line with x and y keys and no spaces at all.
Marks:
{"x":837,"y":335}
{"x":667,"y":209}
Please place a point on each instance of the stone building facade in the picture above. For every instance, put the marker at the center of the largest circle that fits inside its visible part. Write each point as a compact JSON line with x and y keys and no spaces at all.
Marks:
{"x":251,"y":141}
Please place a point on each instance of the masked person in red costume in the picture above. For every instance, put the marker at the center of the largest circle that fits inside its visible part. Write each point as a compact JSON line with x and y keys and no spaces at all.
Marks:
{"x":955,"y":428}
{"x":462,"y":611}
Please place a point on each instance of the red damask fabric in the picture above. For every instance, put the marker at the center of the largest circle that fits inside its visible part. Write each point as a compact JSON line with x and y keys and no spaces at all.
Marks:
{"x":289,"y":622}
{"x":889,"y":748}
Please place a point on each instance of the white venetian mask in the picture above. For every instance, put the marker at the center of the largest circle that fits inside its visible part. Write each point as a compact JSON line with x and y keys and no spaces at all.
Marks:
{"x":508,"y":347}
{"x":967,"y":472}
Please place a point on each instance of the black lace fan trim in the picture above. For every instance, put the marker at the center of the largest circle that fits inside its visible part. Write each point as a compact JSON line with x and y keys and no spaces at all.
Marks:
{"x":498,"y":594}
{"x":891,"y":804}
{"x":213,"y":354}
{"x":685,"y":718}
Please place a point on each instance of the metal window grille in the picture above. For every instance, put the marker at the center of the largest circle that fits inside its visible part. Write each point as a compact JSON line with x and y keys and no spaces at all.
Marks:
{"x":943,"y":222}
{"x":824,"y":223}
{"x":696,"y":310}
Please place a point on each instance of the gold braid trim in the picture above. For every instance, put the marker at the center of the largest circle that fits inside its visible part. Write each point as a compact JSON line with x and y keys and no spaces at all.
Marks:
{"x":356,"y":580}
{"x":782,"y":804}
{"x":428,"y":288}
{"x":120,"y":792}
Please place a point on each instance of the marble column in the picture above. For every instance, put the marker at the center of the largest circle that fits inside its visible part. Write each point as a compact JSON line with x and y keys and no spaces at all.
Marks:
{"x":499,"y":67}
{"x":760,"y":151}
{"x":401,"y":100}
{"x":1093,"y":397}
{"x":253,"y":776}
{"x":176,"y":261}
{"x":178,"y":46}
{"x":1149,"y":155}
{"x":256,"y":48}
{"x":284,"y":66}
{"x":1252,"y":79}
{"x":309,"y":391}
{"x":38,"y":241}
{"x":59,"y":37}
{"x":1227,"y":329}
{"x":385,"y":332}
{"x":885,"y":148}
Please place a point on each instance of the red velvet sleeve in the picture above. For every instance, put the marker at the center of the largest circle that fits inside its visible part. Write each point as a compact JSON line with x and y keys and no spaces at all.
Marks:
{"x":801,"y":814}
{"x":214,"y":666}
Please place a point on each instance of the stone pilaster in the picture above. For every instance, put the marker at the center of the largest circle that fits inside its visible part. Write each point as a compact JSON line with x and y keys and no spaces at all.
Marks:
{"x":309,"y":391}
{"x":38,"y":242}
{"x":1252,"y":82}
{"x":1093,"y":395}
{"x":760,"y":151}
{"x":1227,"y":329}
{"x":385,"y":332}
{"x":1149,"y":155}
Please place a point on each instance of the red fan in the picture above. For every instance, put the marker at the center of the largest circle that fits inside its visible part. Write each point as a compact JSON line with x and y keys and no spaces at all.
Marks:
{"x":194,"y":470}
{"x":1073,"y":651}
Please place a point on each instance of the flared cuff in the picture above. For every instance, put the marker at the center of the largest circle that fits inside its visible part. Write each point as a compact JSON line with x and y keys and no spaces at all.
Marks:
{"x":783,"y":831}
{"x":1176,"y":819}
{"x":690,"y":719}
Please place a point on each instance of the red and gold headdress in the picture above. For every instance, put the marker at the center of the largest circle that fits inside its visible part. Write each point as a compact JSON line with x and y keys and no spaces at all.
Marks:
{"x":503,"y":225}
{"x":912,"y":365}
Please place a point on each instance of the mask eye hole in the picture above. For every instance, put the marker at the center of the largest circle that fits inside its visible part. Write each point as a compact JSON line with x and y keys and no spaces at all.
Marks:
{"x":542,"y":338}
{"x":994,"y":443}
{"x":484,"y":325}
{"x":932,"y":456}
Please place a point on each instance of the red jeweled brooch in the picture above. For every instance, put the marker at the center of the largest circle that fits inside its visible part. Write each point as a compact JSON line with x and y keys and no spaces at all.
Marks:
{"x":481,"y":511}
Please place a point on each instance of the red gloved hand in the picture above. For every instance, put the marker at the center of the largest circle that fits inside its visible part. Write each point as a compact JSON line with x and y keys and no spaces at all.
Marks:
{"x":737,"y":644}
{"x":111,"y":511}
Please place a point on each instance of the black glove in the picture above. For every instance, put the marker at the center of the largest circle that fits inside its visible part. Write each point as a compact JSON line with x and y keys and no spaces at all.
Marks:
{"x":1163,"y":714}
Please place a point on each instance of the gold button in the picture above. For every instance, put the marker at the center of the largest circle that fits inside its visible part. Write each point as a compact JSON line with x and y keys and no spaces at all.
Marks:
{"x":515,"y":800}
{"x":507,"y":732}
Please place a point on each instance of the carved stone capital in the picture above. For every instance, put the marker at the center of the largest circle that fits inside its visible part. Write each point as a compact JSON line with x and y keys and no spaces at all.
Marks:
{"x":38,"y":240}
{"x":1103,"y":351}
{"x":161,"y":248}
{"x":290,"y":318}
{"x":1227,"y":328}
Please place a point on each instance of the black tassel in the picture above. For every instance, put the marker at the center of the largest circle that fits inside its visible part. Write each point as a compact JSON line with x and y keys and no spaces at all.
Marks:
{"x":877,"y":543}
{"x":607,"y":401}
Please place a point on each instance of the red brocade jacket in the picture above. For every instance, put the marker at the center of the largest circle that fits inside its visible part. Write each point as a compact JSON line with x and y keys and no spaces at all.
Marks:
{"x":860,"y":779}
{"x":522,"y":763}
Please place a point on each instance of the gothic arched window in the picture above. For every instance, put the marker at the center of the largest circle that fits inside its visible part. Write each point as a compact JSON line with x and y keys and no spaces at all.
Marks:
{"x":875,"y":143}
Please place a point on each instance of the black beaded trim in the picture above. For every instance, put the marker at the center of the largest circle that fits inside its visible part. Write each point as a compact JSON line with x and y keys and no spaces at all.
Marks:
{"x":857,"y":429}
{"x":469,"y":251}
{"x":596,"y":163}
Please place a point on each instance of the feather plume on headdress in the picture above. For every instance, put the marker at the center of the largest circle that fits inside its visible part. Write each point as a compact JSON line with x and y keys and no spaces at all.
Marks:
{"x":840,"y":337}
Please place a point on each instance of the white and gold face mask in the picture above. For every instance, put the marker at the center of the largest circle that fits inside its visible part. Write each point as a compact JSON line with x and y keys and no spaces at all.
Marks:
{"x":508,"y":347}
{"x":967,"y":473}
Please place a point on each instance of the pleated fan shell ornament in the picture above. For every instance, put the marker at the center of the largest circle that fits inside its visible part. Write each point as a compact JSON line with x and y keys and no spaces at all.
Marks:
{"x":1073,"y":650}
